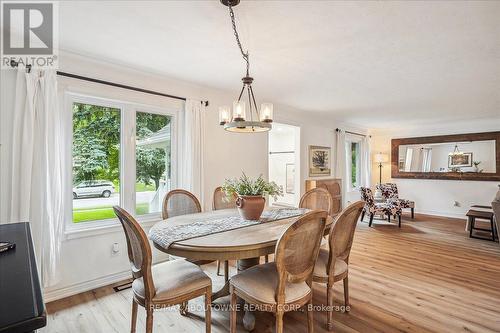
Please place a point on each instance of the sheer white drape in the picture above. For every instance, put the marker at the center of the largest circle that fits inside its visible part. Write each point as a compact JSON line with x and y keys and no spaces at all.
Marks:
{"x":191,"y":148}
{"x":341,"y":163}
{"x":365,"y":162}
{"x":37,"y":170}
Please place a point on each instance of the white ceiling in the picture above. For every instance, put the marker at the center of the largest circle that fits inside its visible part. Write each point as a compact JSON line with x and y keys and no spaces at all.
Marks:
{"x":371,"y":63}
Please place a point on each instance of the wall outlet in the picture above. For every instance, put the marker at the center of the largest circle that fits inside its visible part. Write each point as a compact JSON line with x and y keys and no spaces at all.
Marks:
{"x":115,"y":249}
{"x":456,"y":204}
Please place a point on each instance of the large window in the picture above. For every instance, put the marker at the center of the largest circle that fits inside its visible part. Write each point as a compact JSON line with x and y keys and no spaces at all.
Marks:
{"x":96,"y":161}
{"x":153,"y":161}
{"x":121,"y":155}
{"x":354,"y":165}
{"x":353,"y":154}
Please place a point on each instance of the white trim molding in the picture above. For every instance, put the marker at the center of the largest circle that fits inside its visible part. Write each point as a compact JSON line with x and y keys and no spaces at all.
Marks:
{"x":53,"y":295}
{"x":56,"y":294}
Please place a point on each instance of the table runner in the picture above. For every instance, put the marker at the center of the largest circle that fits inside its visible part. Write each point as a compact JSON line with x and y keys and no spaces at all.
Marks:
{"x":164,"y":234}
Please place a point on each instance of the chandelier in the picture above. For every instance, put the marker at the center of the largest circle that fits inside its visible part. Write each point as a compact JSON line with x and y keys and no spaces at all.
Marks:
{"x":238,"y":120}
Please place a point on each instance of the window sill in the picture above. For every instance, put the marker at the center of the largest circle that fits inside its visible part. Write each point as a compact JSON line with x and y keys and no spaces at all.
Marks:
{"x":96,"y":228}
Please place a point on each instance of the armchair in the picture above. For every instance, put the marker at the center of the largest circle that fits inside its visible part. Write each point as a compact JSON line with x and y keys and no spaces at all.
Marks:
{"x":384,"y":208}
{"x":390,"y":193}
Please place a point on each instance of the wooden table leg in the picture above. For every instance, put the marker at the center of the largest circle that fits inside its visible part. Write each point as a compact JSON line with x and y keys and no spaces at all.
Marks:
{"x":249,"y":317}
{"x":224,"y":291}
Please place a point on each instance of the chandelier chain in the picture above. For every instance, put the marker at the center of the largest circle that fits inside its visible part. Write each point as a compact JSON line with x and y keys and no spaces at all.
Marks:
{"x":243,"y":53}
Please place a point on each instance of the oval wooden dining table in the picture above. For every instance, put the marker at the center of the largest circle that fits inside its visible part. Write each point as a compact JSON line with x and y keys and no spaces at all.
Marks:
{"x":246,"y":244}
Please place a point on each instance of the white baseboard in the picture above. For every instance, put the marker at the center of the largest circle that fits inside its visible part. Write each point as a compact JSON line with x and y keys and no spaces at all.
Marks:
{"x":460,"y":216}
{"x":74,"y":289}
{"x":54,"y":295}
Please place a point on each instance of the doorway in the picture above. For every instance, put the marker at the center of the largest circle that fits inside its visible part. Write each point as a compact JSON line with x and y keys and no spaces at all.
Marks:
{"x":284,"y":163}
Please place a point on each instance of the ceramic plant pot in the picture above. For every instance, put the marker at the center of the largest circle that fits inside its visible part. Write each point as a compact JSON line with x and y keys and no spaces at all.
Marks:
{"x":250,"y":206}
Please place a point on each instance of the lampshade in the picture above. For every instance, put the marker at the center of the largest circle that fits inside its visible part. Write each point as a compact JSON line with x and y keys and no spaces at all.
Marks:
{"x":266,"y":112}
{"x":238,"y":111}
{"x":224,"y":114}
{"x":380,"y":158}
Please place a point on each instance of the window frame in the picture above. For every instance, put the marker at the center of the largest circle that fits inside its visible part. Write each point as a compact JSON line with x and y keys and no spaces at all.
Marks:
{"x":128,"y":112}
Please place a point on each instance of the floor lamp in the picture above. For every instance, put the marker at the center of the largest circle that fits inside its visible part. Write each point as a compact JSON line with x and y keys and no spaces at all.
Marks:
{"x":380,"y":158}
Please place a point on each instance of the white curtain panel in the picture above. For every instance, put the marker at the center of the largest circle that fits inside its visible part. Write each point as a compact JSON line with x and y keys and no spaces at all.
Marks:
{"x":365,"y":162}
{"x":341,"y":163}
{"x":192,"y":142}
{"x":36,"y":174}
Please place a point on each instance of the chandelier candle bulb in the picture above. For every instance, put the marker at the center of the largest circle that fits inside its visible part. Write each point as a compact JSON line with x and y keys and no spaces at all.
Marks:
{"x":266,"y":112}
{"x":224,"y":114}
{"x":238,"y":111}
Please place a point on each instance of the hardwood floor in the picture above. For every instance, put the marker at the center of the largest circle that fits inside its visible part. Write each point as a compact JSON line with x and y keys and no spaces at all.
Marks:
{"x":427,"y":276}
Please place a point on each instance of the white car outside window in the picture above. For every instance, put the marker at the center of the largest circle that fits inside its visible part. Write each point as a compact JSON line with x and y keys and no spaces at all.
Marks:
{"x":93,"y":189}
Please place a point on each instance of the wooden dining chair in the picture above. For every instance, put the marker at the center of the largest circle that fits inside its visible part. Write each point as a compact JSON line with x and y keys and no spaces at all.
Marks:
{"x":220,"y":201}
{"x":317,"y":199}
{"x":286,"y":283}
{"x":163,"y":285}
{"x":333,"y":263}
{"x":179,"y":202}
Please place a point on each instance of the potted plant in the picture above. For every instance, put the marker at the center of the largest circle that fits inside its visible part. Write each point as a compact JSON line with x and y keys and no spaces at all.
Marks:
{"x":251,"y":194}
{"x":476,"y":165}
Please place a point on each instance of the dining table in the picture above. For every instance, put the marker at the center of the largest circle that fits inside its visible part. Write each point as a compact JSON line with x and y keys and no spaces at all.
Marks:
{"x":223,"y":235}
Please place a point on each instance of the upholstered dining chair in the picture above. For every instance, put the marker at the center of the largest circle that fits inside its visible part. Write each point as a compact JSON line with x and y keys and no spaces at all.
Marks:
{"x":220,"y":201}
{"x":317,"y":199}
{"x":333,"y":263}
{"x":167,"y":284}
{"x":181,"y":202}
{"x":387,"y":208}
{"x":390,"y":193}
{"x":286,"y":283}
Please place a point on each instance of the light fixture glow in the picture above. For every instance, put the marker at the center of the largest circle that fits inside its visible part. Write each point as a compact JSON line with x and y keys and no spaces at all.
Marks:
{"x":224,"y":114}
{"x":239,"y":111}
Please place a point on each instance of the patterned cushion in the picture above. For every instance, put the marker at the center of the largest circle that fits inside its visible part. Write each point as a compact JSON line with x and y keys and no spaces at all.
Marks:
{"x":260,"y":282}
{"x":389,"y":190}
{"x":390,"y":193}
{"x":389,"y":207}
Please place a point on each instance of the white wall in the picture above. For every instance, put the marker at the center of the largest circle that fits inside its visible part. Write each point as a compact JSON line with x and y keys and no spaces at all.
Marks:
{"x":437,"y":197}
{"x":86,"y":258}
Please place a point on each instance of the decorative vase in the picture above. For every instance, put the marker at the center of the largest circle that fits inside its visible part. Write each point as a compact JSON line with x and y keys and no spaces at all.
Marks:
{"x":250,"y":206}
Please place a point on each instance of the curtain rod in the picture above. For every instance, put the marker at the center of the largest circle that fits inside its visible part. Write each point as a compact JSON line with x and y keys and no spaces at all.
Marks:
{"x":282,"y":152}
{"x":13,"y":63}
{"x":354,"y":133}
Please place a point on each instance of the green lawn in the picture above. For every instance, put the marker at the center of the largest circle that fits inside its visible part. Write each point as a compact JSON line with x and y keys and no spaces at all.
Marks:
{"x":106,"y":212}
{"x":140,"y":187}
{"x":102,"y":213}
